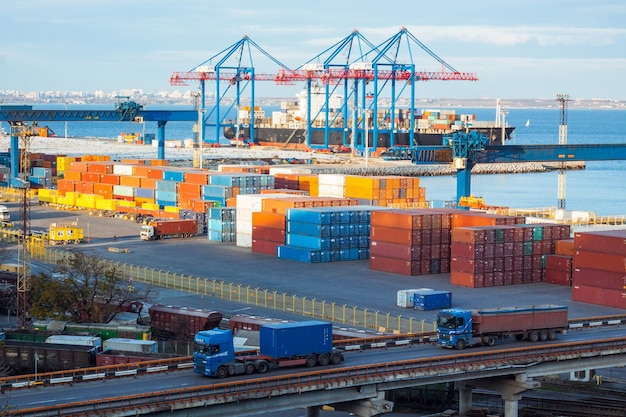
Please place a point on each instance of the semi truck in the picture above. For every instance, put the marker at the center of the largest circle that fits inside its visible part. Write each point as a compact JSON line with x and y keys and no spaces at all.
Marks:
{"x":458,"y":328}
{"x":307,"y":343}
{"x":164,"y":229}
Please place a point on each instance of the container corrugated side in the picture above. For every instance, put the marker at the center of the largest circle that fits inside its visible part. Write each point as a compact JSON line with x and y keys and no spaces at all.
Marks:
{"x":285,"y":340}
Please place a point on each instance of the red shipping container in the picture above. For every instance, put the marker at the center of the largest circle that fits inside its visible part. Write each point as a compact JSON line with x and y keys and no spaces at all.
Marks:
{"x":602,"y":261}
{"x":598,"y":278}
{"x":609,"y":241}
{"x":558,"y":277}
{"x":396,"y":266}
{"x":600,"y":296}
{"x":469,"y":265}
{"x":265,"y":246}
{"x":394,"y":250}
{"x":467,"y":250}
{"x":559,"y":262}
{"x":269,"y":234}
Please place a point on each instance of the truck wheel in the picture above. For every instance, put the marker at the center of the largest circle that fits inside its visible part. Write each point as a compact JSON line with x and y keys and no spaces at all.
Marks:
{"x":460,"y":344}
{"x":249,"y":368}
{"x":551,"y":335}
{"x":533,"y":337}
{"x":262,"y":367}
{"x":335,"y":358}
{"x":490,"y":340}
{"x":221,"y":372}
{"x":323,"y":360}
{"x":310,"y":361}
{"x":543,"y":336}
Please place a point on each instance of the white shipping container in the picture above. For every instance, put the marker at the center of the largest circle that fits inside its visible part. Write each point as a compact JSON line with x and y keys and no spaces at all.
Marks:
{"x":332,"y":179}
{"x":75,"y":340}
{"x":123,"y":169}
{"x":131,"y":345}
{"x":123,"y":190}
{"x":328,"y":190}
{"x":405,"y":297}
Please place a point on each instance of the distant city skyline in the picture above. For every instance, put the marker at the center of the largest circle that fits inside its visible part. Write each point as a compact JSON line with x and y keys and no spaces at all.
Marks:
{"x":519,"y":49}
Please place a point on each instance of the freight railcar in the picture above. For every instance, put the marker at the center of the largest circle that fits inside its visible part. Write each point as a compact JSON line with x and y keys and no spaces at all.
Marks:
{"x":104,"y":330}
{"x":170,"y":322}
{"x":20,"y":357}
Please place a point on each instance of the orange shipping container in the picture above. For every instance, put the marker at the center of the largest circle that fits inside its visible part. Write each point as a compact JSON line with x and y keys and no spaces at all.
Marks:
{"x":189,"y":189}
{"x":130,"y":181}
{"x":265,"y":219}
{"x":197,"y":177}
{"x":73,"y":175}
{"x":100,"y":167}
{"x":105,"y":190}
{"x":146,"y":182}
{"x":110,"y":179}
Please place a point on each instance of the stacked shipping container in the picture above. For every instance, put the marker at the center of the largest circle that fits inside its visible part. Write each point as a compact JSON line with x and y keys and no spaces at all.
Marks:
{"x":599,"y":275}
{"x":485,"y":256}
{"x":411,"y":242}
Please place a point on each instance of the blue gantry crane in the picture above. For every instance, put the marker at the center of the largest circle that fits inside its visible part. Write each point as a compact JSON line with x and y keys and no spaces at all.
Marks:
{"x":18,"y":115}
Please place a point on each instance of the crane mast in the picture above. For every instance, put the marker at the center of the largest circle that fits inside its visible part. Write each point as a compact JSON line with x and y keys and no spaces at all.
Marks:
{"x":562,"y":99}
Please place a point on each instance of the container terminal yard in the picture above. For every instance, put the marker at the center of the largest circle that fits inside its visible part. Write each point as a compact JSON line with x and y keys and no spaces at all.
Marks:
{"x":367,"y":253}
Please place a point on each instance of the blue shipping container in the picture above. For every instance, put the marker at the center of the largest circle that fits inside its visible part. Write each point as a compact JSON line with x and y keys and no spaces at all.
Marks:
{"x":284,"y":340}
{"x":432,"y":300}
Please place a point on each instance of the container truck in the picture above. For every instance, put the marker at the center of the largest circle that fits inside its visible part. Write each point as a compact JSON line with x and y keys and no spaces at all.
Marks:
{"x":164,"y":229}
{"x":458,"y":328}
{"x":307,"y":343}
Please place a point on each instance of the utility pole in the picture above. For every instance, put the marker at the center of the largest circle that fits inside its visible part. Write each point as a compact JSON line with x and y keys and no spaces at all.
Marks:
{"x":562,"y":99}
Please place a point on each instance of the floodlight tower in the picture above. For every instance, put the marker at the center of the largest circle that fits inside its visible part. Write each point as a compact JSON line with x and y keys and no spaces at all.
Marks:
{"x":24,"y":132}
{"x":562,"y":99}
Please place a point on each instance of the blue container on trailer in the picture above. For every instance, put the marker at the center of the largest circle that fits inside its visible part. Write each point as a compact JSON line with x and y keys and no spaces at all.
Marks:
{"x":284,"y":340}
{"x":432,"y":300}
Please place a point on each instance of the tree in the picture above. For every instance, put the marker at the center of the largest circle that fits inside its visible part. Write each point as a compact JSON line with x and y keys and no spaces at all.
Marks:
{"x":86,"y":288}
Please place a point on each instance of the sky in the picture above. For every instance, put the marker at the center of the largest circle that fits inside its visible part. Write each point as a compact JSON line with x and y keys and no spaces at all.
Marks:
{"x":517,"y":49}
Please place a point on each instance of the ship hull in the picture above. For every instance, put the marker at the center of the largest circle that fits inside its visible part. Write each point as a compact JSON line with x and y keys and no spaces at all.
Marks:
{"x":297,"y":138}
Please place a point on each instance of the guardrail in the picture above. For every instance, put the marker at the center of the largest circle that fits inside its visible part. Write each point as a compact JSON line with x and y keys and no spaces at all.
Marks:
{"x":313,"y":308}
{"x":453,"y":367}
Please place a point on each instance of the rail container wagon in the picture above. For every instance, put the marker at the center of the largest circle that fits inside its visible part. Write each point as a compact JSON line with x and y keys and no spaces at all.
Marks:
{"x":20,"y":356}
{"x":174,"y":322}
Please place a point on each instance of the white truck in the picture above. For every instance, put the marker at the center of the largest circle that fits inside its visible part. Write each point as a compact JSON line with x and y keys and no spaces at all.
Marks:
{"x":5,"y":216}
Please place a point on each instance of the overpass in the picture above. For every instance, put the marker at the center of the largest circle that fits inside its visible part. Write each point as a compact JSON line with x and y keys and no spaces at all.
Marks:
{"x":18,"y":115}
{"x":359,"y":389}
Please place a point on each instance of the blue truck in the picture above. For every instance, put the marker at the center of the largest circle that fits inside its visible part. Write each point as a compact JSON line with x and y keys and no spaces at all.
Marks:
{"x":458,"y":328}
{"x":307,"y":343}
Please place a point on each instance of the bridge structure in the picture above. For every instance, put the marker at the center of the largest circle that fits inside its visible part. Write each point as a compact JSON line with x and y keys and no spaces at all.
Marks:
{"x":465,"y":150}
{"x":17,"y":116}
{"x":359,"y":389}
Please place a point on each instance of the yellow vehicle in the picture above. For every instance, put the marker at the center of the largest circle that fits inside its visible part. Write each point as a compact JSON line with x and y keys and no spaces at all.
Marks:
{"x":65,"y":233}
{"x":472,"y":202}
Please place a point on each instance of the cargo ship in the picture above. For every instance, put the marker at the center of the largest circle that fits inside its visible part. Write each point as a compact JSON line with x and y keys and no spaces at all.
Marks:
{"x":287,"y":127}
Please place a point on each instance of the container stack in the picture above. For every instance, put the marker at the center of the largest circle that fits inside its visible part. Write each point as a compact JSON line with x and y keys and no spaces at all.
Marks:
{"x":559,"y":266}
{"x":385,"y":190}
{"x":410,"y":242}
{"x":600,"y":268}
{"x":327,"y":234}
{"x":225,"y":186}
{"x":268,"y":232}
{"x":246,"y":204}
{"x":486,"y":256}
{"x":221,"y":224}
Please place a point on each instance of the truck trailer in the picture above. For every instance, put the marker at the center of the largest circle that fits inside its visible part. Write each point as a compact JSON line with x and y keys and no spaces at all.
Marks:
{"x":307,"y":343}
{"x":458,"y":328}
{"x":164,"y":229}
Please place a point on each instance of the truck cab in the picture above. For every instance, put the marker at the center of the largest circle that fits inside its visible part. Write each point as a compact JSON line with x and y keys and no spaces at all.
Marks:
{"x":215,"y":348}
{"x":147,"y":232}
{"x":5,"y":216}
{"x":454,"y":328}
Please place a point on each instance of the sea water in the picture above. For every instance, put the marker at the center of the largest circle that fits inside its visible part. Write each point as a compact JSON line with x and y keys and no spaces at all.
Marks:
{"x":599,"y":188}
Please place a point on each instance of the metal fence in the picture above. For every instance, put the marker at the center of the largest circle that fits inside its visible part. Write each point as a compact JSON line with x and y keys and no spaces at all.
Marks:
{"x":342,"y":314}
